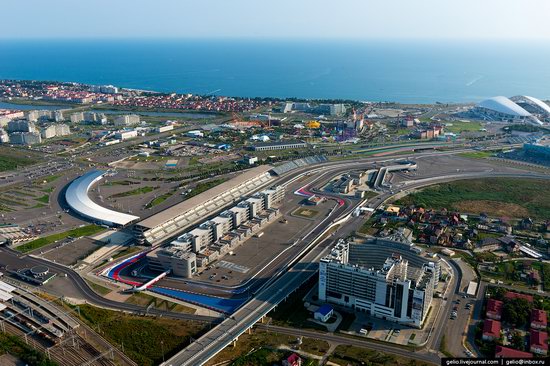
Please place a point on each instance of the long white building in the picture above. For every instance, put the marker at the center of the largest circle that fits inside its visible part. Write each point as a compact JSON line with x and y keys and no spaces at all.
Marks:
{"x":383,"y":279}
{"x":179,"y":217}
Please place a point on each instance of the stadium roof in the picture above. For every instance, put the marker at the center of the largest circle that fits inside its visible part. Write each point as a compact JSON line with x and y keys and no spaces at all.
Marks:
{"x":77,"y":198}
{"x":537,"y":103}
{"x":504,"y":105}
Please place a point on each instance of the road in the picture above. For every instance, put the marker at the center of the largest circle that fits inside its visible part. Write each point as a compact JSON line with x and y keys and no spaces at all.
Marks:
{"x":224,"y":334}
{"x":354,"y":341}
{"x":265,"y":300}
{"x":12,"y":259}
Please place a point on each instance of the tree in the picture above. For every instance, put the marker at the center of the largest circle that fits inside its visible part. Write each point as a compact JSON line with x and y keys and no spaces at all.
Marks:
{"x":516,"y":311}
{"x":517,"y":341}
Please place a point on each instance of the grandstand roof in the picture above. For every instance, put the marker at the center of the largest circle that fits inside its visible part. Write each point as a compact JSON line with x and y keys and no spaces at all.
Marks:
{"x":504,"y":105}
{"x":176,"y":210}
{"x":77,"y":198}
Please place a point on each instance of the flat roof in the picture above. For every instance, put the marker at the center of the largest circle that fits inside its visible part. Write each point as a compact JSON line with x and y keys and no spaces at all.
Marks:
{"x":77,"y":198}
{"x":279,"y":143}
{"x":472,"y":288}
{"x":6,"y":287}
{"x":180,"y":208}
{"x":4,"y":296}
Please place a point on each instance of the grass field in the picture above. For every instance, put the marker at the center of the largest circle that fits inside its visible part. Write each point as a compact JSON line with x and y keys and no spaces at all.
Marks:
{"x":145,"y":339}
{"x":44,"y":199}
{"x":260,"y":340}
{"x":147,"y":300}
{"x":75,"y":233}
{"x":510,"y":197}
{"x":458,"y":127}
{"x":351,"y":355}
{"x":98,"y":288}
{"x":204,"y":186}
{"x":135,"y":192}
{"x":11,"y":159}
{"x":477,"y":154}
{"x":158,"y":200}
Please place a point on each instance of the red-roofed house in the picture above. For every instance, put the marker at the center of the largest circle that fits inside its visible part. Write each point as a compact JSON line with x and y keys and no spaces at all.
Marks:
{"x":539,"y":342}
{"x":293,"y":360}
{"x":494,"y":309}
{"x":505,"y":352}
{"x":491,"y":330}
{"x":538,"y":319}
{"x":514,"y":295}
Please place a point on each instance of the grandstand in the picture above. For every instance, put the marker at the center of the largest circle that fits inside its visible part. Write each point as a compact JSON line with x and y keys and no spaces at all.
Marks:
{"x":177,"y":218}
{"x":77,"y":198}
{"x":298,"y":163}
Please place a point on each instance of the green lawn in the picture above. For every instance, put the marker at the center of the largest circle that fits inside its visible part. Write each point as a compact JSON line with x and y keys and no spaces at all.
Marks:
{"x":9,"y":161}
{"x":134,"y":192}
{"x":204,"y":186}
{"x":40,"y":242}
{"x":511,"y":197}
{"x":351,"y":355}
{"x":144,"y":338}
{"x":477,"y":154}
{"x":158,"y":200}
{"x":98,"y":288}
{"x":44,"y":199}
{"x":49,"y":179}
{"x":147,"y":300}
{"x":458,"y":127}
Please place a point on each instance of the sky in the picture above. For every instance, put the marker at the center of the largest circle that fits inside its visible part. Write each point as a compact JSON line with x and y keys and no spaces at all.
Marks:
{"x":346,"y":19}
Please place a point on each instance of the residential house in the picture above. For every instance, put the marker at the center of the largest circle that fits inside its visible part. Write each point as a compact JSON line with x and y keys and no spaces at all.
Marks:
{"x":539,"y":342}
{"x":505,"y":352}
{"x":491,"y":330}
{"x":538,"y":319}
{"x":494,"y":309}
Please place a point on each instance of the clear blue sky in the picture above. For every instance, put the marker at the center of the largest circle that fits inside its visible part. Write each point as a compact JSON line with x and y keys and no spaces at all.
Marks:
{"x":447,"y":19}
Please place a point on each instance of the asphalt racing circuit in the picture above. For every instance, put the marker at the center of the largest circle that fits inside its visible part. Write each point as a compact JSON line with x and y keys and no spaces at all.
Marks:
{"x":248,"y":302}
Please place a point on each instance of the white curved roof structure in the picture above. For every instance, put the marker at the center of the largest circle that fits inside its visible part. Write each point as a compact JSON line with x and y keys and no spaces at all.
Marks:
{"x":504,"y":105}
{"x":77,"y":199}
{"x":538,"y":104}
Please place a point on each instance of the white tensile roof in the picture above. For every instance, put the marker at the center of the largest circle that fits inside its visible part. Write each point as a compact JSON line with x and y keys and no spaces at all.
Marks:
{"x":533,"y":101}
{"x":77,"y":198}
{"x":504,"y":105}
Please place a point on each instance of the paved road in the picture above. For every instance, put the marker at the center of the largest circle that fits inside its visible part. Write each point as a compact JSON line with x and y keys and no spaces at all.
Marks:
{"x":214,"y":341}
{"x":12,"y":259}
{"x":423,"y":356}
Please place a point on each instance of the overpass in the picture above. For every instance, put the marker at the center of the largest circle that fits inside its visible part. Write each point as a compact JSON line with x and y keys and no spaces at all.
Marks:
{"x":265,"y":300}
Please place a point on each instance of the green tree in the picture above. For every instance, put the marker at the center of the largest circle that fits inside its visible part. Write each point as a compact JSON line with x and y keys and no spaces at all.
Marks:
{"x":517,"y":341}
{"x":516,"y":311}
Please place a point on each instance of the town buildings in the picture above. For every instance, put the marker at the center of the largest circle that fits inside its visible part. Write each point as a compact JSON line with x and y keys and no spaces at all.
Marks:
{"x":127,"y":120}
